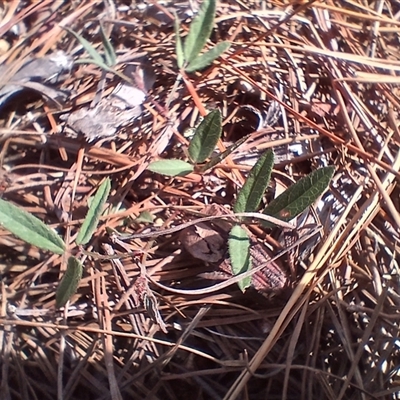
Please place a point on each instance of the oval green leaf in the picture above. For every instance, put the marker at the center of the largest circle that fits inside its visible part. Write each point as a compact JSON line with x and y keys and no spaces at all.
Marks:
{"x":250,"y":195}
{"x":206,"y":137}
{"x":92,"y":218}
{"x":145,"y":217}
{"x":200,"y":30}
{"x":301,"y":195}
{"x":110,"y":56}
{"x":207,"y":58}
{"x":29,"y":228}
{"x":239,"y":253}
{"x":70,"y":282}
{"x":171,"y":167}
{"x":180,"y":58}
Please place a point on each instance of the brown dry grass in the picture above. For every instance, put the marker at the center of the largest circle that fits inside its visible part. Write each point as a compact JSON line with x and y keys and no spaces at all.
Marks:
{"x":335,"y":336}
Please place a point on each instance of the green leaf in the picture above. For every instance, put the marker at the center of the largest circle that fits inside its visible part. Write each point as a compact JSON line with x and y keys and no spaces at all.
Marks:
{"x":110,"y":56}
{"x":200,"y":30}
{"x":29,"y":228}
{"x":206,"y":137}
{"x":250,"y":195}
{"x":299,"y":196}
{"x":145,"y":217}
{"x":171,"y":167}
{"x":97,"y":59}
{"x":101,"y":64}
{"x":180,"y":58}
{"x":96,"y":208}
{"x":207,"y":58}
{"x":70,"y":282}
{"x":87,"y":46}
{"x":239,"y":253}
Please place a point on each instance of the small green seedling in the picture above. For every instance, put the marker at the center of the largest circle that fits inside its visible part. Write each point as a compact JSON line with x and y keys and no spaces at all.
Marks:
{"x":188,"y":54}
{"x":33,"y":231}
{"x":200,"y":148}
{"x":106,"y":62}
{"x":285,"y":207}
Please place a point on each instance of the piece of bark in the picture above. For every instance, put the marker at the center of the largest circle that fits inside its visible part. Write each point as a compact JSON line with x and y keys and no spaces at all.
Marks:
{"x":208,"y":242}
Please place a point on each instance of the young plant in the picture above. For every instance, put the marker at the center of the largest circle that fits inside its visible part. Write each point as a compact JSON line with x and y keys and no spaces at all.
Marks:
{"x":33,"y":231}
{"x":200,"y":148}
{"x":188,"y":54}
{"x":107,"y":61}
{"x":285,"y":207}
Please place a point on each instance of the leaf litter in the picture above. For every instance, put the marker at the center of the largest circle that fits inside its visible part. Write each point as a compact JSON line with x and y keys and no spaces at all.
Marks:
{"x":293,"y":83}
